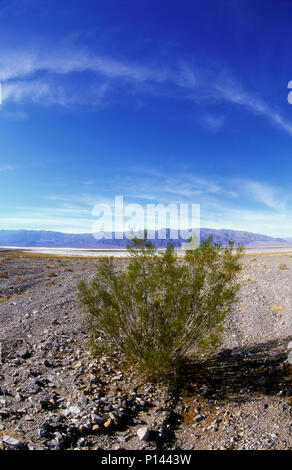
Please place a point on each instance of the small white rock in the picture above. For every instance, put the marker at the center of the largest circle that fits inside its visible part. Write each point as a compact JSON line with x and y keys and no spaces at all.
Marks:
{"x":11,"y":441}
{"x":143,"y":433}
{"x":289,"y":359}
{"x":289,"y":347}
{"x":74,"y":410}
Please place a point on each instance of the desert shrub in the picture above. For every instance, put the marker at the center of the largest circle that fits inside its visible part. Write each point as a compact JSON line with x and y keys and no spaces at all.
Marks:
{"x":66,"y":270}
{"x":19,"y":278}
{"x":282,"y":266}
{"x":51,"y":274}
{"x":277,"y":308}
{"x":159,"y":309}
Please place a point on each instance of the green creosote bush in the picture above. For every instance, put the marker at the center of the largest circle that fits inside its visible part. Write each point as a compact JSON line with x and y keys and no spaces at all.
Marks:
{"x":161,"y":309}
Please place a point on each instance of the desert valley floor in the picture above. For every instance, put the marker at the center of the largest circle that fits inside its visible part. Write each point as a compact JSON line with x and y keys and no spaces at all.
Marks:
{"x":54,"y":395}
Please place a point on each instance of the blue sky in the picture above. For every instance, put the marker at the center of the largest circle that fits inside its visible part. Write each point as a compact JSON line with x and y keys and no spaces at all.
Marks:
{"x":159,"y":101}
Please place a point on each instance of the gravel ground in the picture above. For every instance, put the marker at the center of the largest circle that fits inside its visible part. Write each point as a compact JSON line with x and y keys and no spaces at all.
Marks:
{"x":53,"y":395}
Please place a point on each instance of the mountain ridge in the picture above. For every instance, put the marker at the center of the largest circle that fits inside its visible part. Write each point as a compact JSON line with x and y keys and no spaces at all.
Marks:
{"x":48,"y":238}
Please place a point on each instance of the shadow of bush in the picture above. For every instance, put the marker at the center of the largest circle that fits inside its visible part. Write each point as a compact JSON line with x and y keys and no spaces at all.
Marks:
{"x":239,"y":373}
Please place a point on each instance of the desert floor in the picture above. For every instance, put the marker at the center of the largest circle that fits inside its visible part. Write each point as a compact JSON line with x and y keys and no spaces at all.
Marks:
{"x":54,"y":395}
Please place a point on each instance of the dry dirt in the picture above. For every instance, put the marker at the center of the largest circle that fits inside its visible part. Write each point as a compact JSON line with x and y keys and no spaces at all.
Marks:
{"x":53,"y":395}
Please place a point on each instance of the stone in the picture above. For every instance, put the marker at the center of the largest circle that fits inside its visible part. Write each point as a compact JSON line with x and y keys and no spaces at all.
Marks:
{"x":33,"y":446}
{"x":24,"y":353}
{"x":198,"y":418}
{"x":97,"y":419}
{"x":18,"y":362}
{"x":32,"y":388}
{"x":18,"y":397}
{"x":74,"y":410}
{"x":289,"y":359}
{"x":45,"y":430}
{"x":56,"y":445}
{"x":143,"y":433}
{"x":81,"y":442}
{"x":11,"y":441}
{"x":117,"y":377}
{"x":289,"y":346}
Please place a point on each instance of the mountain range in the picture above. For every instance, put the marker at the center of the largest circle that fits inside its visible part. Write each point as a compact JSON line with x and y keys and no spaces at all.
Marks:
{"x":45,"y":238}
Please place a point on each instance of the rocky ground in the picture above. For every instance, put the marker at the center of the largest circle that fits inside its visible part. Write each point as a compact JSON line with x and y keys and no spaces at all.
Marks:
{"x":54,"y":395}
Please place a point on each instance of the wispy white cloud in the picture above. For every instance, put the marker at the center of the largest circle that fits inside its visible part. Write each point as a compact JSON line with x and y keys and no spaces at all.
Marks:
{"x":264,"y":193}
{"x":31,"y":222}
{"x":151,"y":186}
{"x":19,"y":91}
{"x":231,"y":90}
{"x":267,"y":222}
{"x":47,"y":91}
{"x":23,"y":64}
{"x":183,"y":186}
{"x":67,"y":217}
{"x":36,"y":74}
{"x":244,"y":204}
{"x":19,"y":70}
{"x":212,"y":122}
{"x":4,"y":168}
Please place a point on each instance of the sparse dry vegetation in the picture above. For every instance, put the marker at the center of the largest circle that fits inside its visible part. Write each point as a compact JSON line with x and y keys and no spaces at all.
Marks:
{"x":51,"y":274}
{"x":277,"y":308}
{"x":19,"y":278}
{"x":160,"y":309}
{"x":282,"y":266}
